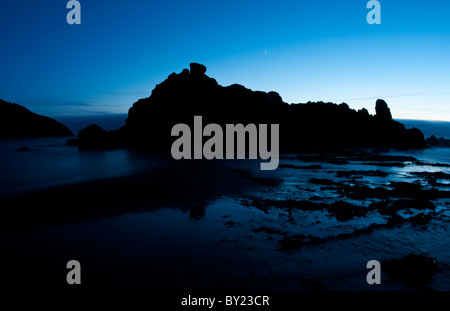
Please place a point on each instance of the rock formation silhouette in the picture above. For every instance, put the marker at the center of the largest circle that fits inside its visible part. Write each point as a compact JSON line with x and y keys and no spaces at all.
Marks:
{"x":93,"y":137}
{"x":302,"y":126}
{"x":17,"y":121}
{"x":433,"y":141}
{"x":382,"y":110}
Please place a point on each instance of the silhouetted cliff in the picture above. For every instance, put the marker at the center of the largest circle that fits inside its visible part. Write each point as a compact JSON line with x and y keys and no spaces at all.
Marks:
{"x":17,"y":121}
{"x":192,"y":92}
{"x":433,"y":141}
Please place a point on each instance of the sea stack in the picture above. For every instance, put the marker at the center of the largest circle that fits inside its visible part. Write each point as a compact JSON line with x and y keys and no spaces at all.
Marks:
{"x":382,"y":110}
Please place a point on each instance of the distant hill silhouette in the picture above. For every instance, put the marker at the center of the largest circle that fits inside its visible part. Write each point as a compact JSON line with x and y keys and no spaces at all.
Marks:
{"x":302,"y":126}
{"x":433,"y":141}
{"x":17,"y":121}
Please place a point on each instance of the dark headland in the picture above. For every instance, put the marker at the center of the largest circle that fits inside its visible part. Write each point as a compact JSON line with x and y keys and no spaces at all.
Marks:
{"x":17,"y":121}
{"x":302,"y":126}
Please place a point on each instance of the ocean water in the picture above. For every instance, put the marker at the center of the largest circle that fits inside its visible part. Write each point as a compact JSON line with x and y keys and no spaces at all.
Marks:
{"x":428,"y":128}
{"x":236,"y":243}
{"x":48,"y":162}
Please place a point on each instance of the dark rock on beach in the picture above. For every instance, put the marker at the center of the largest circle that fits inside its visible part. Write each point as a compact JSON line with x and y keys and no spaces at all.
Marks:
{"x":354,"y":173}
{"x":301,"y":167}
{"x":344,"y":211}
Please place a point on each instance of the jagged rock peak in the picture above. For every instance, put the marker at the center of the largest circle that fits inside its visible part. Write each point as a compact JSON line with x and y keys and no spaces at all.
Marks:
{"x":382,"y":110}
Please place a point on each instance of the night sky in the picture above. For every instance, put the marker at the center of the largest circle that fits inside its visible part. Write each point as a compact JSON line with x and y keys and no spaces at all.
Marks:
{"x":304,"y":50}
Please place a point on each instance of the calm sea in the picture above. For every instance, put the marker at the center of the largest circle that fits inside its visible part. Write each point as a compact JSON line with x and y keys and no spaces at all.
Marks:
{"x":48,"y":162}
{"x":428,"y":128}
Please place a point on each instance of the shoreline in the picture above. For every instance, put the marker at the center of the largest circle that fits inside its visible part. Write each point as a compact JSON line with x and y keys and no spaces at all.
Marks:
{"x":186,"y":184}
{"x":215,"y":225}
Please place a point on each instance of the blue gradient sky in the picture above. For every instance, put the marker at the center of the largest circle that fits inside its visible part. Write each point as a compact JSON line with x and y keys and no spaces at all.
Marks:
{"x":304,"y":50}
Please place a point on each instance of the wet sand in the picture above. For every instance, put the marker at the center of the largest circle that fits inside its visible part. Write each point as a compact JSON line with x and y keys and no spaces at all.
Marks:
{"x":311,"y":225}
{"x":182,"y":184}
